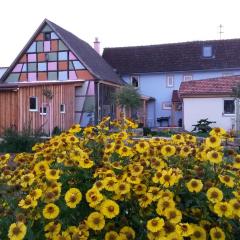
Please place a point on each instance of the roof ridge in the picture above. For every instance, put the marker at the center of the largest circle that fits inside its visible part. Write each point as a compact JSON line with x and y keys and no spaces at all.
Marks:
{"x":176,"y":43}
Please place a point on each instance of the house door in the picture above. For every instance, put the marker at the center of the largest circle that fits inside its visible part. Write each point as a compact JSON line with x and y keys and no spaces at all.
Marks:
{"x":79,"y":101}
{"x":45,"y":118}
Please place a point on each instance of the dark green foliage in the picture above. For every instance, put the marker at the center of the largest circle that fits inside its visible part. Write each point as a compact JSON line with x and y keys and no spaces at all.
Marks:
{"x":15,"y":142}
{"x":127,"y":97}
{"x":202,"y":126}
{"x":56,"y":131}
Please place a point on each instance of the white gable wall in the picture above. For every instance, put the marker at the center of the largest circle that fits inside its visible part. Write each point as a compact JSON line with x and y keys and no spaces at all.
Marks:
{"x":195,"y":109}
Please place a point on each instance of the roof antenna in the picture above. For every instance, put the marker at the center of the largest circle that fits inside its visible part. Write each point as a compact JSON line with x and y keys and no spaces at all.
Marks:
{"x":220,"y":31}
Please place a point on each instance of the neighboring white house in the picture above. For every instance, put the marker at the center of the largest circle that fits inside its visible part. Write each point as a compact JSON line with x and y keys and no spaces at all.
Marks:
{"x":211,"y":99}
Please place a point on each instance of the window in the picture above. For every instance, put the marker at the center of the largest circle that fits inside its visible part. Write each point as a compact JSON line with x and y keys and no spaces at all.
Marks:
{"x":207,"y":51}
{"x":166,"y":105}
{"x":187,"y":78}
{"x":33,"y":104}
{"x":62,"y":108}
{"x":170,"y":81}
{"x":43,"y":110}
{"x":229,"y":107}
{"x":47,"y":36}
{"x":135,"y":81}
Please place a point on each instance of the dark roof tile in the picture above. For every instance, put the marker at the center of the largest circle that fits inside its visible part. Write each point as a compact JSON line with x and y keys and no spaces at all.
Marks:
{"x":186,"y":56}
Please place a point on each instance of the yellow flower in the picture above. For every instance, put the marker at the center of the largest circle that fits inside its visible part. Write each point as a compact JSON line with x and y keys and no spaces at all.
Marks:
{"x":223,"y":209}
{"x":96,"y":221}
{"x":168,"y":150}
{"x":140,"y":189}
{"x":86,"y":163}
{"x":35,"y":194}
{"x":178,"y":138}
{"x":236,"y":163}
{"x":214,"y":195}
{"x":122,"y":188}
{"x":235,"y":203}
{"x":41,"y":167}
{"x":73,"y":197}
{"x":213,"y":142}
{"x":218,"y":132}
{"x":52,"y":229}
{"x":194,"y":185}
{"x":27,"y":180}
{"x":184,"y":229}
{"x":155,"y":191}
{"x":17,"y":231}
{"x":28,"y":202}
{"x":111,"y":235}
{"x":125,"y":151}
{"x":142,"y":146}
{"x":173,"y":215}
{"x":174,"y":236}
{"x":145,"y":200}
{"x":136,"y":169}
{"x":164,"y":204}
{"x":214,"y":156}
{"x":155,"y":224}
{"x":217,"y":233}
{"x":52,"y":174}
{"x":51,"y":211}
{"x":227,"y":180}
{"x":168,"y":179}
{"x":64,"y":236}
{"x":109,"y":208}
{"x":128,"y":232}
{"x":93,"y":197}
{"x":199,"y":233}
{"x":109,"y":183}
{"x":75,"y":128}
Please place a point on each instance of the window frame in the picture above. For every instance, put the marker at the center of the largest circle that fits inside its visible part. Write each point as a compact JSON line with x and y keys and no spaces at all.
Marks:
{"x":164,"y":107}
{"x":64,"y":108}
{"x":43,"y":113}
{"x":168,"y":77}
{"x":229,"y":114}
{"x":187,"y":76}
{"x":204,"y":47}
{"x":36,"y":103}
{"x":137,"y":78}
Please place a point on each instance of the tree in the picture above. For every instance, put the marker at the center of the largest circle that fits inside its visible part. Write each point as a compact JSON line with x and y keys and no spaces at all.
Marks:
{"x":236,"y":94}
{"x":127,"y":97}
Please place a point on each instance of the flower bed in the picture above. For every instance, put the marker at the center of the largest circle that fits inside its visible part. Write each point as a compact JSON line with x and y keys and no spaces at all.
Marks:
{"x":93,"y":184}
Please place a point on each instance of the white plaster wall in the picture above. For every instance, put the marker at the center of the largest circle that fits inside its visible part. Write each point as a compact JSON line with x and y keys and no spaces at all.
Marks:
{"x":195,"y":109}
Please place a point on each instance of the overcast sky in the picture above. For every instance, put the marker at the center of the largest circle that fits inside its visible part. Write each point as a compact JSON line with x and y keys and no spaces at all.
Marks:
{"x":118,"y":22}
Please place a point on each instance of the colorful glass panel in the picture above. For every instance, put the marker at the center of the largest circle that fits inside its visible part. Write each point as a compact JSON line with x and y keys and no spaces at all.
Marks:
{"x":42,"y":67}
{"x":18,"y":68}
{"x":40,"y":46}
{"x":52,"y":76}
{"x":72,"y":75}
{"x":32,"y":57}
{"x":32,"y":48}
{"x":46,"y":46}
{"x":13,"y":77}
{"x":41,"y":57}
{"x":62,"y":75}
{"x":54,"y":35}
{"x":52,"y":56}
{"x":78,"y":65}
{"x":72,"y":56}
{"x":42,"y":76}
{"x":91,"y":88}
{"x":23,"y":77}
{"x":62,"y":56}
{"x":63,"y":65}
{"x":32,"y":77}
{"x":62,"y":46}
{"x":52,"y":66}
{"x":46,"y":28}
{"x":24,"y":68}
{"x":32,"y":67}
{"x":54,"y":45}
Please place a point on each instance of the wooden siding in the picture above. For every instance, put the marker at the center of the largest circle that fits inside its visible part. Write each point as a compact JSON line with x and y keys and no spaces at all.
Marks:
{"x":8,"y":110}
{"x":15,"y":106}
{"x":62,"y":94}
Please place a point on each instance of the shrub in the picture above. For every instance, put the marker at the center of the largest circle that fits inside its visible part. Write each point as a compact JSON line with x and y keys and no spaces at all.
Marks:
{"x":108,"y":186}
{"x":15,"y":142}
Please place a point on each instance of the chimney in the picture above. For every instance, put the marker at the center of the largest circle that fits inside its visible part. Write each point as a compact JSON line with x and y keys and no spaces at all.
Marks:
{"x":97,"y":45}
